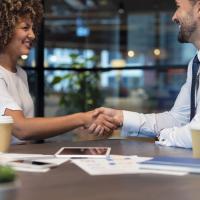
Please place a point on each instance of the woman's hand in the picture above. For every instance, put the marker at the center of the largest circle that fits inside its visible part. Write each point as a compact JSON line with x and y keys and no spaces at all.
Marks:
{"x":100,"y":124}
{"x":116,"y":114}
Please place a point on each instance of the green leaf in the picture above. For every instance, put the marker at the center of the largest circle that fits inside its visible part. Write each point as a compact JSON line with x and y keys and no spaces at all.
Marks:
{"x":7,"y":174}
{"x":56,"y":80}
{"x":67,"y":76}
{"x":74,"y":56}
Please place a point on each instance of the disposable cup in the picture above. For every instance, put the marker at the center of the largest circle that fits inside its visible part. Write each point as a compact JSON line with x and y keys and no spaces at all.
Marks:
{"x":6,"y":123}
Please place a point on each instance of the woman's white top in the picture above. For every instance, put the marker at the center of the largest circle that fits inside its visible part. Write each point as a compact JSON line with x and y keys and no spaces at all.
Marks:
{"x":14,"y":93}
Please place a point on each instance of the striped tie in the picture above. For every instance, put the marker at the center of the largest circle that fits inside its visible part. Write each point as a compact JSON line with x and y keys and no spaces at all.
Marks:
{"x":195,"y":67}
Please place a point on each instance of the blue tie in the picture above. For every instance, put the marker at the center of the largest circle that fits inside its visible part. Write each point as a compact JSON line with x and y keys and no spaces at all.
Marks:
{"x":195,"y":67}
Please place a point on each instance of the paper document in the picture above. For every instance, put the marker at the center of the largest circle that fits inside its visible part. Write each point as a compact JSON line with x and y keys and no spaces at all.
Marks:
{"x":25,"y":169}
{"x":7,"y":157}
{"x":53,"y":160}
{"x":22,"y":155}
{"x":31,"y":162}
{"x":116,"y":164}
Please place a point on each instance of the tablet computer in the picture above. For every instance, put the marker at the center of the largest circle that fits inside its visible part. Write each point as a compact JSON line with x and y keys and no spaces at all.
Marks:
{"x":83,"y":152}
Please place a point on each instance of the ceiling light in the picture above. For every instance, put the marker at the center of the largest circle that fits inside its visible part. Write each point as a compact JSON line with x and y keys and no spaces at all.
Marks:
{"x":131,"y":54}
{"x":157,"y":52}
{"x":24,"y":57}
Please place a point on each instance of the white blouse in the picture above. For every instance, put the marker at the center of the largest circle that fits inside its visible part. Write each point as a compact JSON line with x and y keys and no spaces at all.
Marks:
{"x":14,"y":93}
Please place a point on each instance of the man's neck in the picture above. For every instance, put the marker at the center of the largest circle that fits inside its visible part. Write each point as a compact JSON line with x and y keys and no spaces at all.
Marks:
{"x":196,"y":44}
{"x":195,"y":37}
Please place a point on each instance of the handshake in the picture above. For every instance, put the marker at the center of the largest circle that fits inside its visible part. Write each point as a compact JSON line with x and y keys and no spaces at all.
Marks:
{"x":103,"y":121}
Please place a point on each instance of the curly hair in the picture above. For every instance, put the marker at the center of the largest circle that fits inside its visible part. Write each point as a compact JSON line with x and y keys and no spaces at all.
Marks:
{"x":11,"y":11}
{"x":193,"y":1}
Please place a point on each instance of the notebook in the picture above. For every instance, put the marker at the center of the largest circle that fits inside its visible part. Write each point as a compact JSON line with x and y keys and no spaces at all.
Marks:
{"x":185,"y":164}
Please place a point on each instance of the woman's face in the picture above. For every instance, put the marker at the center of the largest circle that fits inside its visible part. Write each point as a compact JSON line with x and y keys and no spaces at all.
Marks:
{"x":22,"y":39}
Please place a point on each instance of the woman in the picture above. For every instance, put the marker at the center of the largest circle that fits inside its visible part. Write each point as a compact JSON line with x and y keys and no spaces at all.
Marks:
{"x":19,"y":22}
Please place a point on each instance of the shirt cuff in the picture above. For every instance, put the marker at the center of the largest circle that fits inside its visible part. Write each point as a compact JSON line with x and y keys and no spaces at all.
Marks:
{"x":131,"y":123}
{"x":176,"y":136}
{"x":164,"y":138}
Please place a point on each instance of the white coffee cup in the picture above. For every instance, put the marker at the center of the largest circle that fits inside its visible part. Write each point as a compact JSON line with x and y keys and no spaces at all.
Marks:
{"x":195,"y":134}
{"x":6,"y":123}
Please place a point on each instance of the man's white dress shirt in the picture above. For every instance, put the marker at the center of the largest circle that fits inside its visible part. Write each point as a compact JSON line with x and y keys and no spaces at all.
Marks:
{"x":172,"y":127}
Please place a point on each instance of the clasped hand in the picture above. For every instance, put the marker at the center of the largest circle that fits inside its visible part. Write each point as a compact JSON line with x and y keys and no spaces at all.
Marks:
{"x":105,"y":121}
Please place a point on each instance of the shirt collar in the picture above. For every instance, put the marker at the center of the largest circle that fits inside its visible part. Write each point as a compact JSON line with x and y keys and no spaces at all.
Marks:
{"x":198,"y":54}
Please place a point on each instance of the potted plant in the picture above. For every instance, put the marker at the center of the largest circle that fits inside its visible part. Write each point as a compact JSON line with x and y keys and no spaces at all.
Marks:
{"x":81,"y":89}
{"x":8,"y":183}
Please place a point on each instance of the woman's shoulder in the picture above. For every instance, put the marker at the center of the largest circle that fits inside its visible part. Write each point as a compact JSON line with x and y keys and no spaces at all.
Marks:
{"x":21,"y":72}
{"x":5,"y":74}
{"x":2,"y":72}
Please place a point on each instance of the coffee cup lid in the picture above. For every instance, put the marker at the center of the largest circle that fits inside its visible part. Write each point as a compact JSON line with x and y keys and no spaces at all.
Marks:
{"x":6,"y":119}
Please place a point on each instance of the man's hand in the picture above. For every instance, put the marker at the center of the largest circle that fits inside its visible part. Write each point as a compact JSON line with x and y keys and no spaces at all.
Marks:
{"x":103,"y":125}
{"x":99,"y":124}
{"x":111,"y":119}
{"x":117,"y":115}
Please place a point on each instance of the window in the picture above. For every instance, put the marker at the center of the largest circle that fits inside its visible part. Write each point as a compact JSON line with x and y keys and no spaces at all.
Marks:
{"x":129,"y":51}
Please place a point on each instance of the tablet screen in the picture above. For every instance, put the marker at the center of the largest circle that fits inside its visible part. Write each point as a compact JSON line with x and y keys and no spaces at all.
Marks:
{"x":83,"y":151}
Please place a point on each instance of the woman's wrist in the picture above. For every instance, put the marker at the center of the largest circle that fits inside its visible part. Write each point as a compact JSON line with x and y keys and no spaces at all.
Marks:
{"x":86,"y":118}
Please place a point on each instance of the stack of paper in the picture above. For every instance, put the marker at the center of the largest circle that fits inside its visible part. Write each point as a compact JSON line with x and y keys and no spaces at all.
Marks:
{"x":113,"y":164}
{"x":116,"y":164}
{"x":31,"y":162}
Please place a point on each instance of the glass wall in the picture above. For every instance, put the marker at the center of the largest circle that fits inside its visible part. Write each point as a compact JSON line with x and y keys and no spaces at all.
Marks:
{"x":129,"y":56}
{"x":135,"y":90}
{"x":118,"y":54}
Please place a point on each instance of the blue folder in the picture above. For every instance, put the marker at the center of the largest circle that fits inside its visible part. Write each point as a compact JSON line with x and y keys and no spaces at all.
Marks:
{"x":190,"y":165}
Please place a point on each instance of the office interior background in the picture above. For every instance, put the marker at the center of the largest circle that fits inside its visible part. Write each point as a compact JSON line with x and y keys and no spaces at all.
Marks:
{"x":116,"y":53}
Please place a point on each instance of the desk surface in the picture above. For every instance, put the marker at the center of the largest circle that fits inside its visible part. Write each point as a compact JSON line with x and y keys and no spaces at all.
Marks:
{"x":70,"y":182}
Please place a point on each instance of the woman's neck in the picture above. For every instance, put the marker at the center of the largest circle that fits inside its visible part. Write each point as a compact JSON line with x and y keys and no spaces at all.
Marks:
{"x":8,"y":62}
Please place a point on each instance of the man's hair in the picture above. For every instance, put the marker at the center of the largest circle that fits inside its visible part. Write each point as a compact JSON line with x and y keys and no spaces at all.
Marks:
{"x":11,"y":11}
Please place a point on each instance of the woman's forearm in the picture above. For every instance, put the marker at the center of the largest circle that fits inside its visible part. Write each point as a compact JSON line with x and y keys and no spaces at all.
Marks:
{"x":41,"y":128}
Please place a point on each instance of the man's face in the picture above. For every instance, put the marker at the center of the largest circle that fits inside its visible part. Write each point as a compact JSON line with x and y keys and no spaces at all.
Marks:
{"x":185,"y":18}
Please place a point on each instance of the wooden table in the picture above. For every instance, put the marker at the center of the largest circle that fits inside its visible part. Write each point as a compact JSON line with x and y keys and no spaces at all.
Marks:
{"x":68,"y":182}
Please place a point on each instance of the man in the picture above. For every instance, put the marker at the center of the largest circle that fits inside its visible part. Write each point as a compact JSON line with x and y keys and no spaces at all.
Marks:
{"x":173,"y":127}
